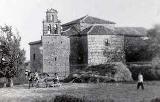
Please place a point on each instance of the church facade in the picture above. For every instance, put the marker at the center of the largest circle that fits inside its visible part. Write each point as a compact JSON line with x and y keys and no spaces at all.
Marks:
{"x":78,"y":44}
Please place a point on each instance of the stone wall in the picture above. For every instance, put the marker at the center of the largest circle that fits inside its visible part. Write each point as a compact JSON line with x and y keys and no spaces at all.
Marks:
{"x":56,"y":51}
{"x":105,"y":48}
{"x":79,"y":52}
{"x":36,"y":58}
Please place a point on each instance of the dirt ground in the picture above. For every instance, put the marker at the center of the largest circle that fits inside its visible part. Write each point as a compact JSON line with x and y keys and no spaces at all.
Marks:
{"x":120,"y":92}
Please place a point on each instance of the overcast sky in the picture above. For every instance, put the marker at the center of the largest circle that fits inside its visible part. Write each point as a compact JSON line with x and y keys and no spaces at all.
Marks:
{"x":27,"y":15}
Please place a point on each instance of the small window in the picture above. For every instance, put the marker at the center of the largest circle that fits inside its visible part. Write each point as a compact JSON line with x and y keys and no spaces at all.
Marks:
{"x":34,"y":56}
{"x":61,"y":42}
{"x":48,"y":28}
{"x":55,"y":58}
{"x":52,"y":17}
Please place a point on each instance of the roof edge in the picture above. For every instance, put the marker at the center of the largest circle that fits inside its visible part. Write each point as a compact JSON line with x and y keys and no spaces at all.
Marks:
{"x":35,"y":42}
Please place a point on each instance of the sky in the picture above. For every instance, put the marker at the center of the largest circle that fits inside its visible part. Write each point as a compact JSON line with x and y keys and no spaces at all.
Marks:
{"x":27,"y":15}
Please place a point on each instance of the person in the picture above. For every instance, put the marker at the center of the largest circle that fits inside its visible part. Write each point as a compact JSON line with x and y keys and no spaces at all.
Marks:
{"x":140,"y":81}
{"x":27,"y":73}
{"x":31,"y":78}
{"x":56,"y":78}
{"x":36,"y":78}
{"x":56,"y":81}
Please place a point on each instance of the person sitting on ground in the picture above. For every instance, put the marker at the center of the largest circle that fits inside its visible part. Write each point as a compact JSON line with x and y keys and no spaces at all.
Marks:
{"x":56,"y":78}
{"x":140,"y":81}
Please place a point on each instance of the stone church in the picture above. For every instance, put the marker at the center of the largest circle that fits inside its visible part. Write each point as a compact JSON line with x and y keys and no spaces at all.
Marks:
{"x":87,"y":41}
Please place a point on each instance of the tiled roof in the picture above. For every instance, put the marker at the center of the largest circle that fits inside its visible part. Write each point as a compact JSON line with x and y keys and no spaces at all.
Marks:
{"x":74,"y":21}
{"x":35,"y":42}
{"x":91,"y":30}
{"x":70,"y":31}
{"x":86,"y":30}
{"x":94,"y":20}
{"x":131,"y":31}
{"x":101,"y":30}
{"x":89,"y":20}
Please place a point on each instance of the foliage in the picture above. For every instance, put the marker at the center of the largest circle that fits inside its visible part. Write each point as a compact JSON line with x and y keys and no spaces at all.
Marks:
{"x":69,"y":98}
{"x":102,"y":73}
{"x":147,"y":71}
{"x":137,"y":49}
{"x":157,"y":99}
{"x":154,"y":35}
{"x":12,"y":56}
{"x":142,"y":49}
{"x":116,"y":71}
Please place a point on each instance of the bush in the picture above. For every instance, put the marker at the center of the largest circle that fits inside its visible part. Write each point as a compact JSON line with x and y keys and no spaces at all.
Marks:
{"x":113,"y":71}
{"x":102,"y":73}
{"x":155,"y":100}
{"x":149,"y":73}
{"x":68,"y":98}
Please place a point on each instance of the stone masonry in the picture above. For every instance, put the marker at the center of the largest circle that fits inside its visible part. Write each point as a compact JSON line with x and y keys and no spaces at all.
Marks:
{"x":83,"y":42}
{"x":36,"y":57}
{"x":56,"y":52}
{"x":56,"y":48}
{"x":100,"y":49}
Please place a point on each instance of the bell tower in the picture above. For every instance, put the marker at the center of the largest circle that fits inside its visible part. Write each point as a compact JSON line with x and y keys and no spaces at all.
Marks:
{"x":51,"y":24}
{"x":56,"y":47}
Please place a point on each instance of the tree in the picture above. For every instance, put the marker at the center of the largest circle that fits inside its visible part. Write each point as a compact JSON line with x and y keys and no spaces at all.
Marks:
{"x":154,"y":40}
{"x":12,"y":56}
{"x":136,"y":49}
{"x":139,"y":49}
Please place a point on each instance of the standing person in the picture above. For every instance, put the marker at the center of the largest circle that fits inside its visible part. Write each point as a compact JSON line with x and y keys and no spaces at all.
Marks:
{"x":36,"y":78}
{"x":140,"y":81}
{"x":31,"y":79}
{"x":27,"y":73}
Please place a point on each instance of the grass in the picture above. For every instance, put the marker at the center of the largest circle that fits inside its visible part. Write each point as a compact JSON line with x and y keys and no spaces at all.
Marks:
{"x":103,"y":92}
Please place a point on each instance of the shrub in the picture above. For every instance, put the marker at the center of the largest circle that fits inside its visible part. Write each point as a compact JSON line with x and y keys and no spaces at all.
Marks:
{"x":102,"y":73}
{"x":149,"y":73}
{"x":155,"y":99}
{"x":68,"y":98}
{"x":114,"y":71}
